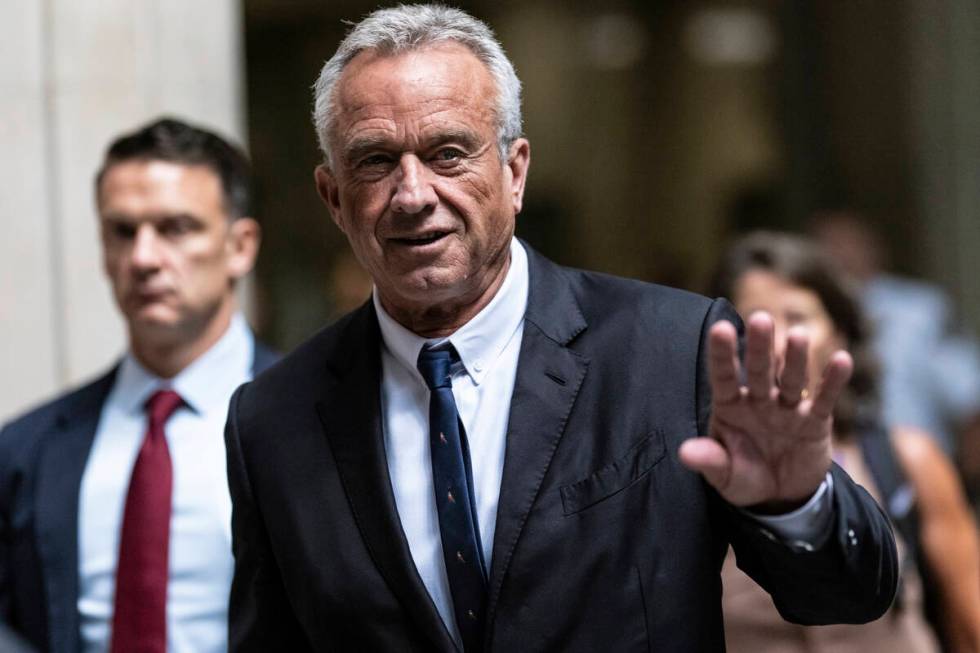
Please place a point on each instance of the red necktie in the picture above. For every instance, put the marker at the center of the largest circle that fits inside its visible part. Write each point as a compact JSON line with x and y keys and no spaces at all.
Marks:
{"x":139,"y":622}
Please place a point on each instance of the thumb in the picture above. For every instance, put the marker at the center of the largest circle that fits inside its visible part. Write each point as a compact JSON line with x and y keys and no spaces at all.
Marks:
{"x":709,"y":458}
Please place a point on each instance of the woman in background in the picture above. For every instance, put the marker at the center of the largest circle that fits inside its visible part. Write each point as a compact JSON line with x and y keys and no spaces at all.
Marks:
{"x":789,"y":278}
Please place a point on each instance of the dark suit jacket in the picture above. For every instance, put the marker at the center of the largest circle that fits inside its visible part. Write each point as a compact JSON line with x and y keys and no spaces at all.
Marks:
{"x":42,"y":458}
{"x":604,"y":541}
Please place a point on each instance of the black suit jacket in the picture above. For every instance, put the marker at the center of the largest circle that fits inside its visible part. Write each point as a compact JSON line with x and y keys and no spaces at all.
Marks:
{"x":603,"y":542}
{"x":42,"y":458}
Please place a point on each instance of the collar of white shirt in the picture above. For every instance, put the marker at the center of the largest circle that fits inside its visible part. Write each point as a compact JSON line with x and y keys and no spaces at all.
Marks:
{"x":204,"y":384}
{"x":480,"y":341}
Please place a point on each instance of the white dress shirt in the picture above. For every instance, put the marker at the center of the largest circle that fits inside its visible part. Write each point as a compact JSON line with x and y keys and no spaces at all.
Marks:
{"x":201,"y":563}
{"x":488,"y":347}
{"x":483,"y":385}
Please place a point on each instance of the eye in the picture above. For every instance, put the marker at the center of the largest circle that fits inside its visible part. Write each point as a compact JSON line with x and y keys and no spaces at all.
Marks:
{"x":374,"y":161}
{"x":175,"y":226}
{"x":796,"y":317}
{"x":448,"y":155}
{"x":122,"y":231}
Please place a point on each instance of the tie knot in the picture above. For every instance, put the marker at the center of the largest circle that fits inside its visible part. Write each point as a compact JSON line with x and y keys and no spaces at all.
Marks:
{"x":161,"y":405}
{"x":435,"y":364}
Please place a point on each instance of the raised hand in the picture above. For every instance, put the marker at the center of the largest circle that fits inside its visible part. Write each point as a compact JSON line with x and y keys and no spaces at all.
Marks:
{"x":769,"y":444}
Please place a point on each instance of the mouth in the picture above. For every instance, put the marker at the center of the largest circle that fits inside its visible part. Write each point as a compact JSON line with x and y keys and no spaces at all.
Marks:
{"x":149,"y":296}
{"x":422,"y":239}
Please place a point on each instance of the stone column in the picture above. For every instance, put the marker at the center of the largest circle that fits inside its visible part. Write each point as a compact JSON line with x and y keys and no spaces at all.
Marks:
{"x":944,"y":60}
{"x":72,"y":76}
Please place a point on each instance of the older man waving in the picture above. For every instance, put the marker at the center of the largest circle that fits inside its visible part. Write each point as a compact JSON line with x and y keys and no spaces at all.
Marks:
{"x":496,"y":453}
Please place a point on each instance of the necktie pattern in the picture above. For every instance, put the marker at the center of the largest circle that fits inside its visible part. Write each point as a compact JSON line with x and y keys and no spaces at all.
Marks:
{"x":139,"y":621}
{"x":452,"y":479}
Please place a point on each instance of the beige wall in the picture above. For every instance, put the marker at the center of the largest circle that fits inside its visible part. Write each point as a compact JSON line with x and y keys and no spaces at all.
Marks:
{"x":72,"y":76}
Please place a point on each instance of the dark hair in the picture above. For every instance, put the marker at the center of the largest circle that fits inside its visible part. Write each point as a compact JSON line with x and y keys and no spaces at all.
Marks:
{"x":801,"y":263}
{"x":174,"y":141}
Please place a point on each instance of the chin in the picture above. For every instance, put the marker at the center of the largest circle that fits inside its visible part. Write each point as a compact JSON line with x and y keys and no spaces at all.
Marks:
{"x":154,"y":323}
{"x":436,"y":286}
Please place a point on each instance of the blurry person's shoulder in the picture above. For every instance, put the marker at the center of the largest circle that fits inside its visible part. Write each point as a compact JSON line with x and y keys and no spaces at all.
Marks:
{"x":890,"y":296}
{"x":20,"y":437}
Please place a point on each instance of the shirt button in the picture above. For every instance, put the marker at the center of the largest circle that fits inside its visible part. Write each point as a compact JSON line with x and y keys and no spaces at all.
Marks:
{"x":478,"y":365}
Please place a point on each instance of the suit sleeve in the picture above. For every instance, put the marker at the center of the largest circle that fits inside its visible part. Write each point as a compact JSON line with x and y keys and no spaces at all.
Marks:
{"x":851,"y":578}
{"x":260,"y":616}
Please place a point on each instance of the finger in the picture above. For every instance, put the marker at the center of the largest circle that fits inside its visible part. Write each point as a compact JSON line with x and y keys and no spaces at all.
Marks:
{"x":835,"y":378}
{"x":793,"y":378}
{"x":723,"y":366}
{"x":758,"y":356}
{"x":709,"y":458}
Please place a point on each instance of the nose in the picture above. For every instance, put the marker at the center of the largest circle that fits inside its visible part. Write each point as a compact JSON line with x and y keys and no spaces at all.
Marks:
{"x":145,"y":255}
{"x":414,"y":192}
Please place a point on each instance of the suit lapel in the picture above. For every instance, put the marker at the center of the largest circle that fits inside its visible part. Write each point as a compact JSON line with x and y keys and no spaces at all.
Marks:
{"x":61,"y":463}
{"x":549,"y":376}
{"x":351,"y":415}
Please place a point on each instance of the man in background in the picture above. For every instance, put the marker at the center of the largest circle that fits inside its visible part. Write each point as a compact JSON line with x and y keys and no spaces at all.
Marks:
{"x":930,"y":369}
{"x":114,"y":504}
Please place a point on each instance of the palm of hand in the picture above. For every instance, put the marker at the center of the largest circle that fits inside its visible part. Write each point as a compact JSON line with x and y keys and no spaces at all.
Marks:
{"x":777,"y":453}
{"x":767,"y":446}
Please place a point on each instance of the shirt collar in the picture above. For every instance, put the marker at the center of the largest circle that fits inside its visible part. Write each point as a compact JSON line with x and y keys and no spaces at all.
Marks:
{"x":480,"y":341}
{"x":204,"y":385}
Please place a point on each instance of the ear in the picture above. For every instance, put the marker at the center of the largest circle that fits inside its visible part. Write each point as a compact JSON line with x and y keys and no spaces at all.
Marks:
{"x":329,"y":191}
{"x":244,"y":236}
{"x":518,"y":162}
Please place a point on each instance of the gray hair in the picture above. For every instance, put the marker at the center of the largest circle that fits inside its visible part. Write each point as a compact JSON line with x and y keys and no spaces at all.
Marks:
{"x":411,"y":27}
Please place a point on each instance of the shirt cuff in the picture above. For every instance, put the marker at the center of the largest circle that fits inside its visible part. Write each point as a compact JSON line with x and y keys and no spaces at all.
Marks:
{"x":806,"y":528}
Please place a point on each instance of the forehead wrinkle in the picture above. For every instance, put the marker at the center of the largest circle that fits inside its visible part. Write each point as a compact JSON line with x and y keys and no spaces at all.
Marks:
{"x":406,"y":75}
{"x":368,"y":91}
{"x":416,"y":109}
{"x":426,"y":130}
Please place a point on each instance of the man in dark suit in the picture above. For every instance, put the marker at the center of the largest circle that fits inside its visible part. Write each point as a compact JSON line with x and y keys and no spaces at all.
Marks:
{"x":114,"y":505}
{"x":495,"y":452}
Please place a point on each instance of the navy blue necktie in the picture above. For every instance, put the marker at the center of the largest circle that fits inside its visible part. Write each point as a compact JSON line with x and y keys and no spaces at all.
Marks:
{"x":452,"y":479}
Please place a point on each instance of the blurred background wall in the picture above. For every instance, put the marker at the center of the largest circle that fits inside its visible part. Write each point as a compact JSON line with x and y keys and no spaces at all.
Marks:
{"x":659,"y":129}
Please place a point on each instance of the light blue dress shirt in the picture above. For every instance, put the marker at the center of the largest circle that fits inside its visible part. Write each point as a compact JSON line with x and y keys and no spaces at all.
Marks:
{"x":201,"y":564}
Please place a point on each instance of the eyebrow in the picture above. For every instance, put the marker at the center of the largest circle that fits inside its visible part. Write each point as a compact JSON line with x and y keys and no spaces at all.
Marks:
{"x":124,"y":218}
{"x":362,"y":146}
{"x":465,"y":137}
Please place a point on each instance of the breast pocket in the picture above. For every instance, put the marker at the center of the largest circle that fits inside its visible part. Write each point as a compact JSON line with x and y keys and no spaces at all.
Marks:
{"x":614,"y":477}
